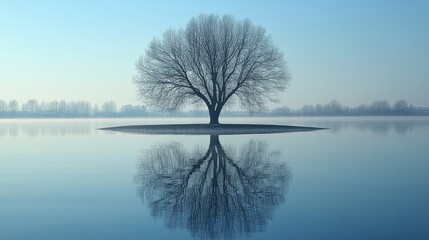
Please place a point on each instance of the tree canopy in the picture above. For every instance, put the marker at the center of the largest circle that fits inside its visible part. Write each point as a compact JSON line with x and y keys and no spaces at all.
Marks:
{"x":215,"y":61}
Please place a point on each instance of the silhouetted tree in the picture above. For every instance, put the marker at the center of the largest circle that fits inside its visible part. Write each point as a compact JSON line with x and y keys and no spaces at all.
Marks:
{"x":282,"y":111}
{"x":381,"y":107}
{"x":130,"y":110}
{"x":401,"y":106}
{"x":13,"y":106}
{"x":108,"y":108}
{"x":53,"y":108}
{"x":96,"y":110}
{"x":31,"y":107}
{"x":334,"y":107}
{"x":63,"y":107}
{"x":82,"y":108}
{"x":3,"y":106}
{"x":214,"y":60}
{"x":216,"y":193}
{"x":308,"y":110}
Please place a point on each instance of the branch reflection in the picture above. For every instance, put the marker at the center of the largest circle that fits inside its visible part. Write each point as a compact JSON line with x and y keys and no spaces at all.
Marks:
{"x":217,"y":193}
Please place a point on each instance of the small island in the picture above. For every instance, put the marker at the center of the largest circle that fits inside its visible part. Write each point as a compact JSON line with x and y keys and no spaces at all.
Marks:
{"x":210,"y":129}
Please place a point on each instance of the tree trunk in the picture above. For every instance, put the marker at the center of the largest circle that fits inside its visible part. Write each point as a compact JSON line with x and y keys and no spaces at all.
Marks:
{"x":214,"y":142}
{"x":214,"y":116}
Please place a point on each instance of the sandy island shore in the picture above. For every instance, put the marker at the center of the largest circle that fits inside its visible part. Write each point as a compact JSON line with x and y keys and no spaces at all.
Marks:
{"x":210,"y":129}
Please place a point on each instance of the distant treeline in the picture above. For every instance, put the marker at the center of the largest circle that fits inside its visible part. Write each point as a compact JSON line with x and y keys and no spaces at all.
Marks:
{"x":83,"y":109}
{"x":335,"y":108}
{"x":63,"y":109}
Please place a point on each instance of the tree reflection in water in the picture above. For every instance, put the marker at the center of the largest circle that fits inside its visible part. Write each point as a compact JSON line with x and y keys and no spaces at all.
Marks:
{"x":216,"y":194}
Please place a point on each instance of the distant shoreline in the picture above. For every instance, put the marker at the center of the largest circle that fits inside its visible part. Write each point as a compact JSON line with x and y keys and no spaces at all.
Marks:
{"x":209,"y":129}
{"x":199,"y":116}
{"x":84,"y":109}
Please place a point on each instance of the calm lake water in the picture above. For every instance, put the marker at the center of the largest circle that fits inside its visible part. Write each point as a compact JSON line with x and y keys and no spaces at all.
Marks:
{"x":364,"y":178}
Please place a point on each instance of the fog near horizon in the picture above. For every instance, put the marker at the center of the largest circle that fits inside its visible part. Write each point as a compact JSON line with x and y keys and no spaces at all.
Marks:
{"x":356,"y":53}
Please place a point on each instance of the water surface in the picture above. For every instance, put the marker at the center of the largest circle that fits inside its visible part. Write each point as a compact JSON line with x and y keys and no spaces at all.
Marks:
{"x":364,"y":178}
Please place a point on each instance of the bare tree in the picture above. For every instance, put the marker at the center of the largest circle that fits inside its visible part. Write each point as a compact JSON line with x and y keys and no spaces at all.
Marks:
{"x":109,"y":108}
{"x":214,"y":60}
{"x":401,"y":106}
{"x":13,"y":106}
{"x":3,"y":106}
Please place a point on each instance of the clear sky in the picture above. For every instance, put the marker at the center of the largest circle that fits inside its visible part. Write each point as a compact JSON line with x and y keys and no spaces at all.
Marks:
{"x":352,"y":51}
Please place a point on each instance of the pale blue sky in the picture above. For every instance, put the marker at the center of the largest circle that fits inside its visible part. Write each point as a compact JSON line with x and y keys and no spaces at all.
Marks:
{"x":352,"y":51}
